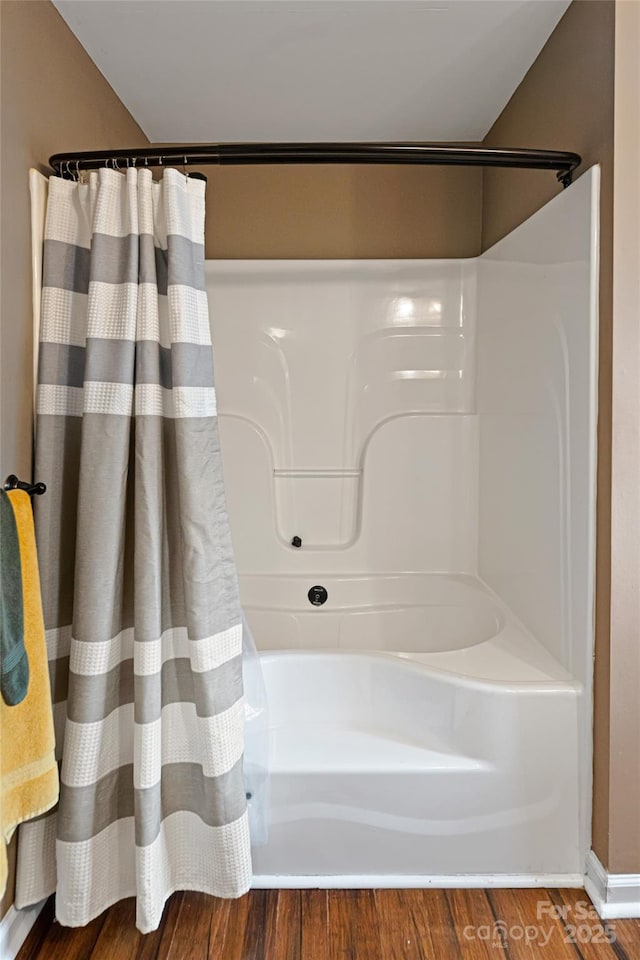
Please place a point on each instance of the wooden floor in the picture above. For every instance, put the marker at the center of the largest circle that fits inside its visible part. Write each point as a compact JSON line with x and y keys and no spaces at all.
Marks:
{"x":351,"y":925}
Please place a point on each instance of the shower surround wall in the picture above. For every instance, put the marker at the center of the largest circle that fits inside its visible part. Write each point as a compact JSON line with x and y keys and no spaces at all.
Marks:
{"x":536,"y":400}
{"x":537,"y":411}
{"x":347,"y":413}
{"x":426,"y":428}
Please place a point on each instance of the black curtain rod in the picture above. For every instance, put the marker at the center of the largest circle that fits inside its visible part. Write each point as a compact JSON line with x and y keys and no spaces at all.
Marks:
{"x":69,"y":165}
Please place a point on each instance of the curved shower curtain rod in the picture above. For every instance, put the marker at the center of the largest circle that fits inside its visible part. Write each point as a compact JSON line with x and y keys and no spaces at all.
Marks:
{"x":69,"y":165}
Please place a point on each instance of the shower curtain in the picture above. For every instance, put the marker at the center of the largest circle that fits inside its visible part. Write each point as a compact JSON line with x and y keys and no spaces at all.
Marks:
{"x":140,"y":592}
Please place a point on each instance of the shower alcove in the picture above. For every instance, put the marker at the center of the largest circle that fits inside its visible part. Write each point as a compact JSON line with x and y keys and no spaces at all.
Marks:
{"x":426,"y":428}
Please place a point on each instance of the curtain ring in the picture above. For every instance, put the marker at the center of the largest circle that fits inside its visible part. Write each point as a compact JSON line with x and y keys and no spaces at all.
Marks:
{"x":77,"y":171}
{"x":116,"y":165}
{"x":186,"y":173}
{"x":146,"y":161}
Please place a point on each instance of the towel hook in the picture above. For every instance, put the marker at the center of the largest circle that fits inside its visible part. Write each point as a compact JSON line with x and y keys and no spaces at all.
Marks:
{"x":33,"y":489}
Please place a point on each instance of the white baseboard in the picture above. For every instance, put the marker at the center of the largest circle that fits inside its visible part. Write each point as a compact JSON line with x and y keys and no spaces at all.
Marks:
{"x":403,"y":881}
{"x":616,"y":896}
{"x":15,"y":927}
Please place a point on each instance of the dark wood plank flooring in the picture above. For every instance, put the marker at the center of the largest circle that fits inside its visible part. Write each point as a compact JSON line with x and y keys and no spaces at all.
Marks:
{"x":350,"y":925}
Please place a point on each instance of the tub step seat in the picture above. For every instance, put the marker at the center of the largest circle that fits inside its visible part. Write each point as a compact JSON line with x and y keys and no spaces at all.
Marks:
{"x":315,"y":748}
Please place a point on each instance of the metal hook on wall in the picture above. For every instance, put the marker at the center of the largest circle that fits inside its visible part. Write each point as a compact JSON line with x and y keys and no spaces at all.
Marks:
{"x":33,"y":489}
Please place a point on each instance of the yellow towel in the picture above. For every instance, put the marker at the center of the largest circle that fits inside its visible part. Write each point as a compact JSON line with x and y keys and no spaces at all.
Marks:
{"x":28,"y":769}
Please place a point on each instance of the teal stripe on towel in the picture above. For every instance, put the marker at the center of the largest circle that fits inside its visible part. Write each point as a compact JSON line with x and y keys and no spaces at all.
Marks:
{"x":14,"y":665}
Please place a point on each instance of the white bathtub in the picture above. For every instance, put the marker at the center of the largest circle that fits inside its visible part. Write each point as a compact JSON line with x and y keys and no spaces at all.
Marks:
{"x":418,"y":735}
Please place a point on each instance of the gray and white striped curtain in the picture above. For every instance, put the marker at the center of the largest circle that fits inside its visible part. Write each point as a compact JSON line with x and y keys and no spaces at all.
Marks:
{"x":139,"y":585}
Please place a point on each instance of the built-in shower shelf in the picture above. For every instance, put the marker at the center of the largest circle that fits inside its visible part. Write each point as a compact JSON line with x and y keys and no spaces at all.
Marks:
{"x":315,"y":747}
{"x":317,"y":474}
{"x":318,"y":505}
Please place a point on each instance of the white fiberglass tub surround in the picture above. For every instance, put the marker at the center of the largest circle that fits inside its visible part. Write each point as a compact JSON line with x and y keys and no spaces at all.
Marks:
{"x":426,"y":429}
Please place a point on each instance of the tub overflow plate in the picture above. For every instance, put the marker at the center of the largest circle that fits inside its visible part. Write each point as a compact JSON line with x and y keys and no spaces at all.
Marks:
{"x":317,"y":596}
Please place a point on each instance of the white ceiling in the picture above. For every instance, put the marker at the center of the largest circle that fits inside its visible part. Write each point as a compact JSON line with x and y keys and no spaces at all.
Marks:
{"x":313,"y":70}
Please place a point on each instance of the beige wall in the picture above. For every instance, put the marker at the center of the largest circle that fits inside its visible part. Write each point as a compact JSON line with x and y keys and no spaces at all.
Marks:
{"x":566,"y":101}
{"x":53,"y":98}
{"x":344,"y":211}
{"x":624,"y":682}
